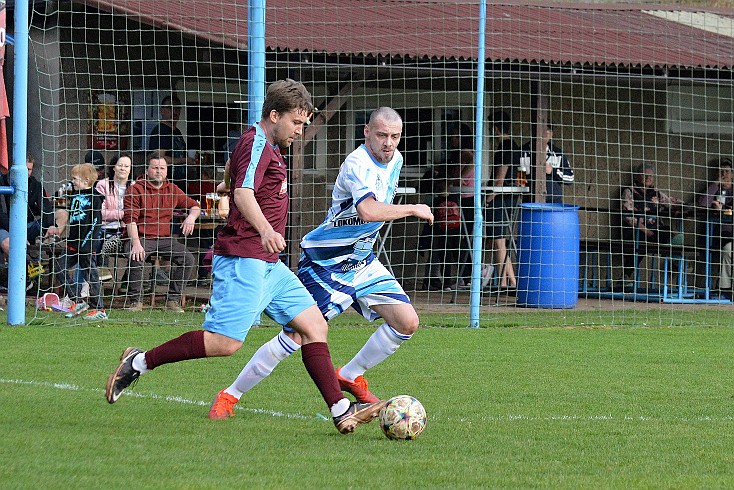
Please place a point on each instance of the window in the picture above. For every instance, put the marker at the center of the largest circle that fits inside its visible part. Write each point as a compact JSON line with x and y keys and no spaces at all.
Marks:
{"x":700,"y":109}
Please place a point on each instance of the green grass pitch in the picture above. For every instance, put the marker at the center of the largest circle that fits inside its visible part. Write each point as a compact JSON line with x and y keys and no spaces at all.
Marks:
{"x":508,"y":407}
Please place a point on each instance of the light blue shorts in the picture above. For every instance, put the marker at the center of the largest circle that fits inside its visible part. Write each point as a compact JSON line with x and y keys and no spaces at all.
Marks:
{"x":335,"y":290}
{"x":243,"y":288}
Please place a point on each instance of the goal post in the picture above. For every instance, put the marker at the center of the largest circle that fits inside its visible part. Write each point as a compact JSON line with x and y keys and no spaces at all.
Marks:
{"x":19,"y":172}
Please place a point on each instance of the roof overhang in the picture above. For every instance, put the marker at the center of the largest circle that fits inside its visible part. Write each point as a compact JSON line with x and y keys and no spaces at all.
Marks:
{"x":525,"y":32}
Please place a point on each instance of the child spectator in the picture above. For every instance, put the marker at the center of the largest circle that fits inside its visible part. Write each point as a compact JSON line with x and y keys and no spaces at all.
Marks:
{"x":84,"y":221}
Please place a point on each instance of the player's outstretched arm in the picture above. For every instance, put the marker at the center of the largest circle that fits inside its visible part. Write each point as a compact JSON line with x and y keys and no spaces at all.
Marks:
{"x":370,"y":210}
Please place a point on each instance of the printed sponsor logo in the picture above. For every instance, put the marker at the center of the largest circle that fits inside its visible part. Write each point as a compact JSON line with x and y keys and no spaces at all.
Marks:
{"x":349,"y":221}
{"x":350,"y":266}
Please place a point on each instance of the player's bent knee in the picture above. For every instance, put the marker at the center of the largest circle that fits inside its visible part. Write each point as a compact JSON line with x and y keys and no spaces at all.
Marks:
{"x":310,"y":325}
{"x":407,"y":326}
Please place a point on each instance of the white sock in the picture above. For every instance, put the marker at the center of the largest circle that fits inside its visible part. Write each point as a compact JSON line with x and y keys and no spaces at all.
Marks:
{"x":262,"y":363}
{"x":340,"y":407}
{"x":378,"y":347}
{"x":139,"y":363}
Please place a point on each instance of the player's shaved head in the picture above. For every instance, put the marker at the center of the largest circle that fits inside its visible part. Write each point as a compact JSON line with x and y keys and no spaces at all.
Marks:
{"x":382,"y":133}
{"x":386,"y":114}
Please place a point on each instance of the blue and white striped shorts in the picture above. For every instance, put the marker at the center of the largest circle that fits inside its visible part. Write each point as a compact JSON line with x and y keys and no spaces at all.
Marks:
{"x":335,"y":290}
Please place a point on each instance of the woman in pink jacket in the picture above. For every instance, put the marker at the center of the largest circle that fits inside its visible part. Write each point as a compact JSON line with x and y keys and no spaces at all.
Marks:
{"x":113,"y":189}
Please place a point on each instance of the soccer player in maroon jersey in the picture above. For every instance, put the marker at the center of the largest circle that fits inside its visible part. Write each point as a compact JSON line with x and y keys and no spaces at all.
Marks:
{"x":248,"y":277}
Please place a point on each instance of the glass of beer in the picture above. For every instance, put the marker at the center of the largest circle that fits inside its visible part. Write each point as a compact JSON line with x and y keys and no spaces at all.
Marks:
{"x":522,"y":171}
{"x":522,"y":177}
{"x":210,"y":200}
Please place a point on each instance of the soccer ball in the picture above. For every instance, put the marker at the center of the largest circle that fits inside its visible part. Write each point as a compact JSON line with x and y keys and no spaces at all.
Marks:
{"x":402,"y":418}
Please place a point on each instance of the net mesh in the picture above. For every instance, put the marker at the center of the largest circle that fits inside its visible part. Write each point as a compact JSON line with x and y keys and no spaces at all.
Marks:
{"x":624,"y":91}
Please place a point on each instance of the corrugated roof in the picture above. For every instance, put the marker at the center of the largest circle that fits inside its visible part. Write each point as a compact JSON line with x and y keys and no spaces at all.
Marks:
{"x":628,"y":35}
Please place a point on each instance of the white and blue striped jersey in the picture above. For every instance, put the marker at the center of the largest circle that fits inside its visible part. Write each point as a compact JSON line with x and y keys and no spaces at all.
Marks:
{"x":343,"y":240}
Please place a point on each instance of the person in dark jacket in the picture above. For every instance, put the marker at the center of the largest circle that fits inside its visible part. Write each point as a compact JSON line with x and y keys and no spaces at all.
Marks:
{"x":40,"y":207}
{"x":558,"y":170}
{"x":646,"y":213}
{"x":84,"y":208}
{"x":40,"y":214}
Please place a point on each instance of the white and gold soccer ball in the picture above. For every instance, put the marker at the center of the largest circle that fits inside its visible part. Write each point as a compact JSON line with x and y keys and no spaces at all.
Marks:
{"x":402,"y":418}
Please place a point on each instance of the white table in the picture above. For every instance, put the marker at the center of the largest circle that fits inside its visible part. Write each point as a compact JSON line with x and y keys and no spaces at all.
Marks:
{"x":412,"y":172}
{"x":382,"y":238}
{"x":490,"y":189}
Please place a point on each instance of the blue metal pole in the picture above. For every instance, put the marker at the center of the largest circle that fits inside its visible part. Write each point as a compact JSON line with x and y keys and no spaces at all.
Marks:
{"x":256,"y":59}
{"x":476,"y":271}
{"x":18,"y":171}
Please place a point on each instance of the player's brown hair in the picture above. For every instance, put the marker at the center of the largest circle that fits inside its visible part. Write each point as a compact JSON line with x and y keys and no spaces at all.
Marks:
{"x":285,"y":96}
{"x":85,"y":171}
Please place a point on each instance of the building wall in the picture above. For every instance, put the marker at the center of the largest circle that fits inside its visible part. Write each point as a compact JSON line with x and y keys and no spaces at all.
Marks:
{"x":606,"y":125}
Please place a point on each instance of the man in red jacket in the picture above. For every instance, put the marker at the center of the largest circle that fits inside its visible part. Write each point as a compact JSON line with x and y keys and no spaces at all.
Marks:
{"x":149,"y":207}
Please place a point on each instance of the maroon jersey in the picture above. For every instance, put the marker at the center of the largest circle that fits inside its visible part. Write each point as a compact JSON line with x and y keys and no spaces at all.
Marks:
{"x":255,"y":164}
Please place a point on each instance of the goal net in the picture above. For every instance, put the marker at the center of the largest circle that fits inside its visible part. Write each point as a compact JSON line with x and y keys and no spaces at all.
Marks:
{"x":601,"y":177}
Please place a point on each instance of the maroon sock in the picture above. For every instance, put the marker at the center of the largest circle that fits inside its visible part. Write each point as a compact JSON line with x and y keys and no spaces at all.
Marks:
{"x":317,"y":360}
{"x":188,"y":346}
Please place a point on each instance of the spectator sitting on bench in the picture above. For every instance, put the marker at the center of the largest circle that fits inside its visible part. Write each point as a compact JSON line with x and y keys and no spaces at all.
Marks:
{"x":113,"y":188}
{"x":645,"y":211}
{"x":40,"y":213}
{"x":149,"y":206}
{"x":40,"y":207}
{"x":718,"y":199}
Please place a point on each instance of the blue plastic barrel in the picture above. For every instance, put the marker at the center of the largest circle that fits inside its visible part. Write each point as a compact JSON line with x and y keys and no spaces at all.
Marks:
{"x":548,"y":256}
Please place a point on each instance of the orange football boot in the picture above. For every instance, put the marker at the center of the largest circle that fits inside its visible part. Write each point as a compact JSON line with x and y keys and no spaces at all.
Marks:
{"x":358,"y":388}
{"x":222,"y":406}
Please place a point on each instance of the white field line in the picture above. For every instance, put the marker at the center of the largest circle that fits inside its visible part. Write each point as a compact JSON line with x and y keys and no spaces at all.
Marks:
{"x":153,"y":396}
{"x":484,"y":418}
